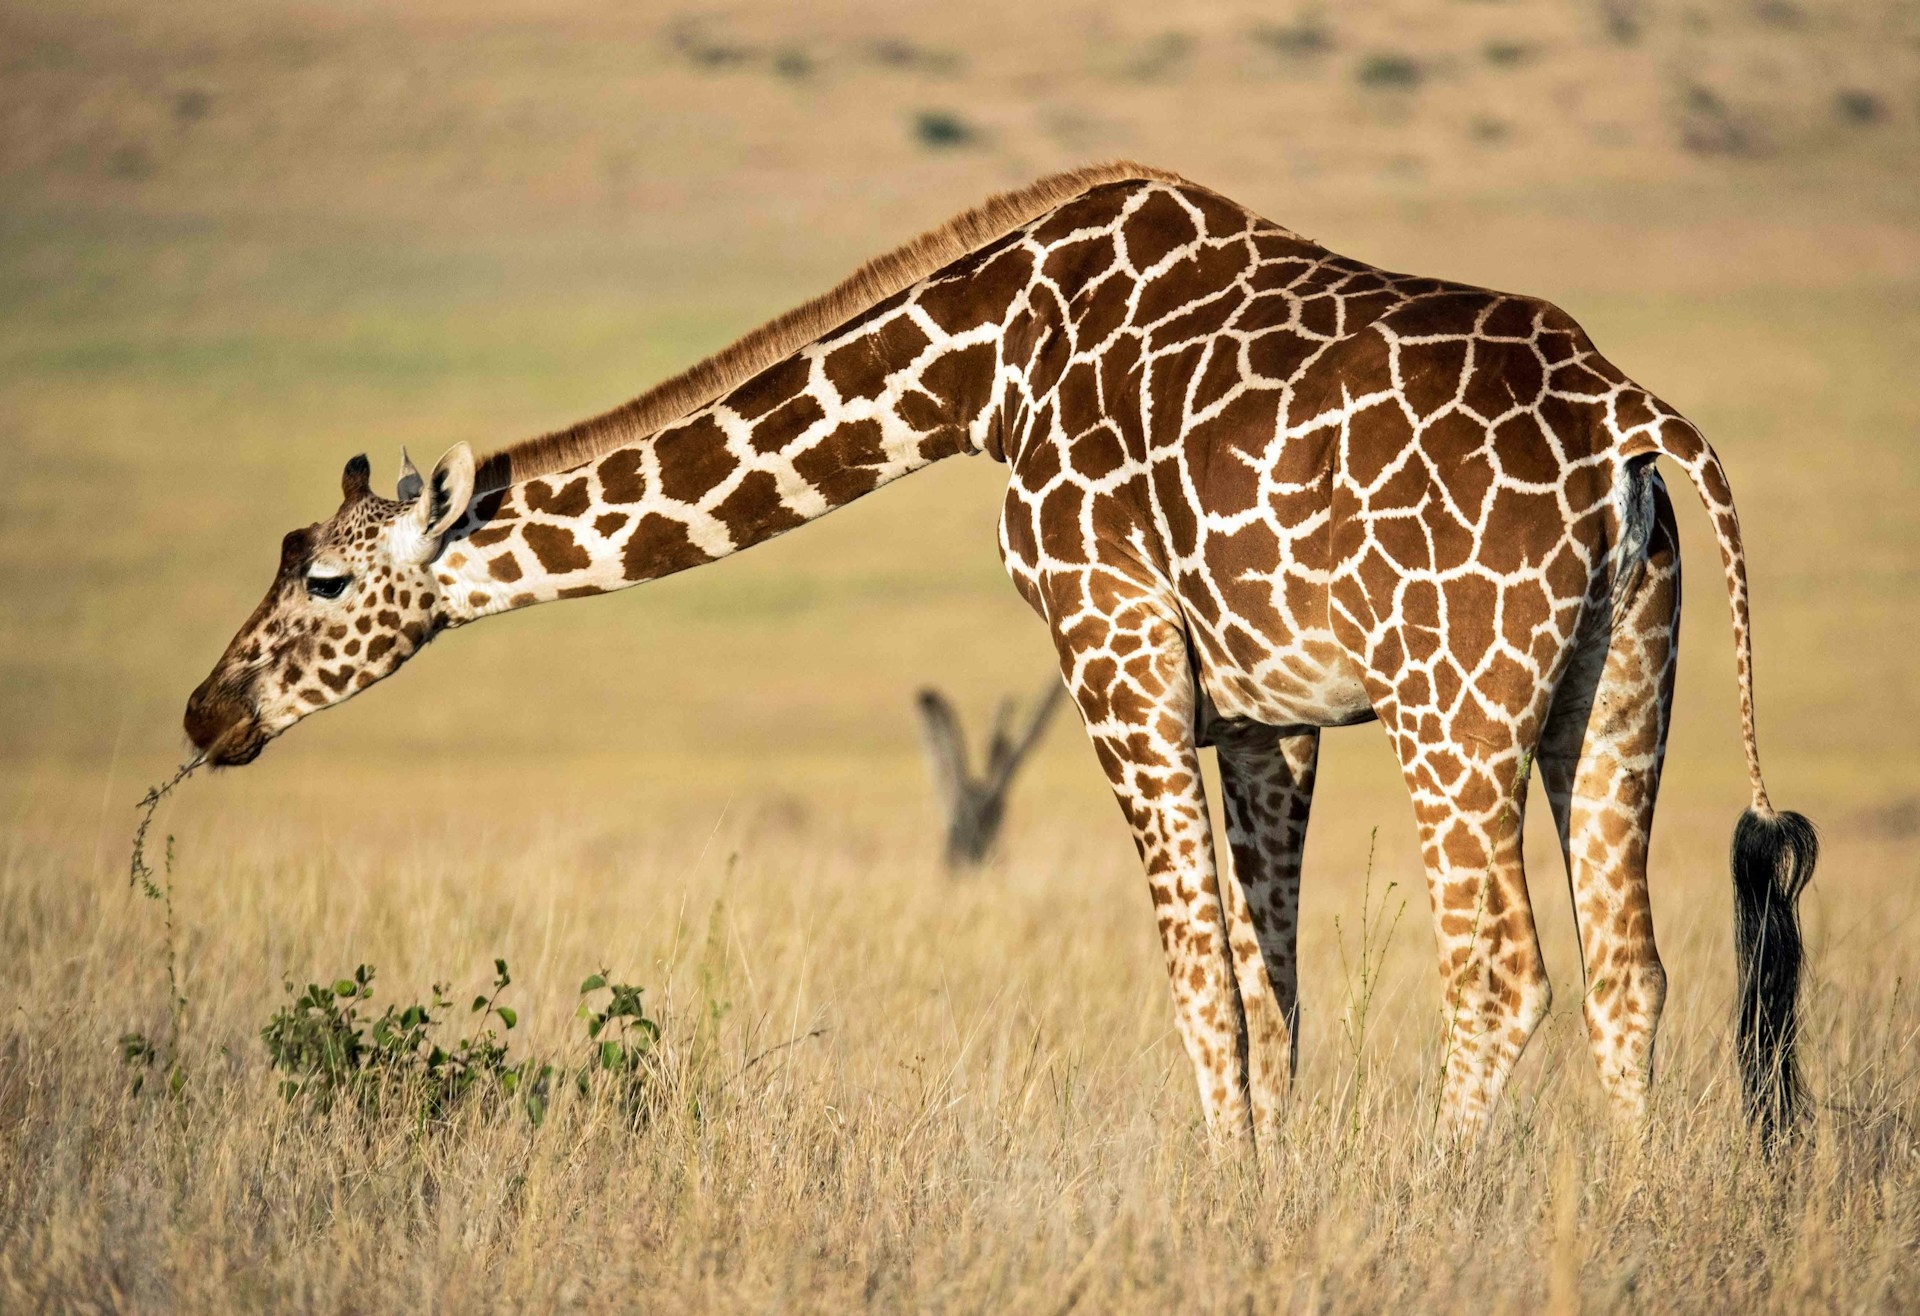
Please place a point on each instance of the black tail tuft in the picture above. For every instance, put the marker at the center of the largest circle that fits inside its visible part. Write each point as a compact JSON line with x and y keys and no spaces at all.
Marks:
{"x":1773,"y":858}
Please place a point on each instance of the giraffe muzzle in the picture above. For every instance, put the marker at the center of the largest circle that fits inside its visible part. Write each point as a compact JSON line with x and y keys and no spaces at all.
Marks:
{"x":223,"y":727}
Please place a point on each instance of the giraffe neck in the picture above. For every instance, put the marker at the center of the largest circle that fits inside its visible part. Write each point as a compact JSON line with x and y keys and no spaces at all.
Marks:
{"x":894,"y":391}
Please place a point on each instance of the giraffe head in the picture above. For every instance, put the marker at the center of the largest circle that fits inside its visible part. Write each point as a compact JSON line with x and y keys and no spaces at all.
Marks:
{"x":353,"y":599}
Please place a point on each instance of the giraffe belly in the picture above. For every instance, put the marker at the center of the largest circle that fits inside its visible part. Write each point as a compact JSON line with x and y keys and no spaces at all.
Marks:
{"x":1307,"y":681}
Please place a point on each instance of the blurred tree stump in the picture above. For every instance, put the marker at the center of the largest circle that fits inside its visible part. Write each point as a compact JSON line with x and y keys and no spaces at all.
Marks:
{"x":976,"y":806}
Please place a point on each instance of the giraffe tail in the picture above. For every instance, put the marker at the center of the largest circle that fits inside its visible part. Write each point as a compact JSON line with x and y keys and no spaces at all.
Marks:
{"x":1773,"y":853}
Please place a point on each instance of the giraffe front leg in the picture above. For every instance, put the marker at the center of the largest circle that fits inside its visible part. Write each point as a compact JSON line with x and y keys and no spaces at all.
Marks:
{"x":1267,"y":781}
{"x":1128,"y":670}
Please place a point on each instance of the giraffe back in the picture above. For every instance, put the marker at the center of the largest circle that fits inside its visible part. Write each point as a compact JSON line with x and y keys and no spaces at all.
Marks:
{"x":1300,"y":445}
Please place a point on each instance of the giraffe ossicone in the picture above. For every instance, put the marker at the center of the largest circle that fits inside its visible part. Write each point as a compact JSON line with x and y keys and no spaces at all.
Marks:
{"x":1256,"y":489}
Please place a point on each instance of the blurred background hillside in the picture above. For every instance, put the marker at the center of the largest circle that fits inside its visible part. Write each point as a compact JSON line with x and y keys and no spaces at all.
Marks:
{"x":241,"y":242}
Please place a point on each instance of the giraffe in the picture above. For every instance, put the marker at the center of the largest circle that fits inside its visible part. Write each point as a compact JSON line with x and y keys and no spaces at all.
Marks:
{"x":1255,"y":490}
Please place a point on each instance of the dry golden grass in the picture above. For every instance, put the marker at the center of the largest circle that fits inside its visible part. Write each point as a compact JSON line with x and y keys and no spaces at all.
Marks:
{"x":239,"y":244}
{"x":994,"y":1117}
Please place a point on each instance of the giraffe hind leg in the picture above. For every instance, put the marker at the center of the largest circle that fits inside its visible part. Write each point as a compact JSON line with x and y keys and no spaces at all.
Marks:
{"x":1600,"y":760}
{"x":1465,"y":764}
{"x":1495,"y":990}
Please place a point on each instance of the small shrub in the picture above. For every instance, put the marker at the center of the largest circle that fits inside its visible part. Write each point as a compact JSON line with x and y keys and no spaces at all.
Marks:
{"x":694,"y":45}
{"x":1709,"y":126}
{"x":1389,"y":72}
{"x":140,"y":1054}
{"x":191,"y":105}
{"x":941,"y":130}
{"x":906,"y":56}
{"x":1856,"y":106}
{"x":1621,"y":20}
{"x":1302,"y":37}
{"x":620,"y":1044}
{"x":329,"y":1049}
{"x":793,"y":63}
{"x":1508,"y":54}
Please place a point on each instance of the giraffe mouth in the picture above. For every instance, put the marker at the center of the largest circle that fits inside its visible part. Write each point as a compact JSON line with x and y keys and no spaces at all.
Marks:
{"x":238,"y":745}
{"x":225,"y":729}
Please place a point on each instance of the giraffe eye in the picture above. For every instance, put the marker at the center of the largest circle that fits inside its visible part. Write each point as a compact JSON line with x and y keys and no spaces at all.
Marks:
{"x":328,"y":587}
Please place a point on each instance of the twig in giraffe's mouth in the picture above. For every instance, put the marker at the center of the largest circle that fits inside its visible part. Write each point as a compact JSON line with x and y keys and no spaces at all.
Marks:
{"x":137,"y":868}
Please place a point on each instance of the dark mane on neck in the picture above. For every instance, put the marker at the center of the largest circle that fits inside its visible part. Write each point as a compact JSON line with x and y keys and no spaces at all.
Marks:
{"x":780,"y":337}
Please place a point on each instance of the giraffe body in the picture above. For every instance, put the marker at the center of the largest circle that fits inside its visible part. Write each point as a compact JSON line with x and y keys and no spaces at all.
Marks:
{"x":1255,"y":490}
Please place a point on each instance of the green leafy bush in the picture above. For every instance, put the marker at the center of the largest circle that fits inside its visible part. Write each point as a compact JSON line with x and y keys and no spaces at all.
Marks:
{"x":329,"y":1046}
{"x":1390,"y":71}
{"x":620,"y":1044}
{"x":941,"y":130}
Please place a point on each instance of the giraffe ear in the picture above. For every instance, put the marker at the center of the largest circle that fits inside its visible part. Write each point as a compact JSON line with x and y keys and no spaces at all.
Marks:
{"x":355,"y":479}
{"x":442,"y":501}
{"x":410,"y":482}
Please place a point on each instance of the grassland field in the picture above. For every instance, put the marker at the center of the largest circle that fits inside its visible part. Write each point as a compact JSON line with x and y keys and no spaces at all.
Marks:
{"x":239,"y":244}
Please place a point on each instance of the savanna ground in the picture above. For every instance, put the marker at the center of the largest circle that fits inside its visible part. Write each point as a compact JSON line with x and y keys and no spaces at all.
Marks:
{"x":239,"y":244}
